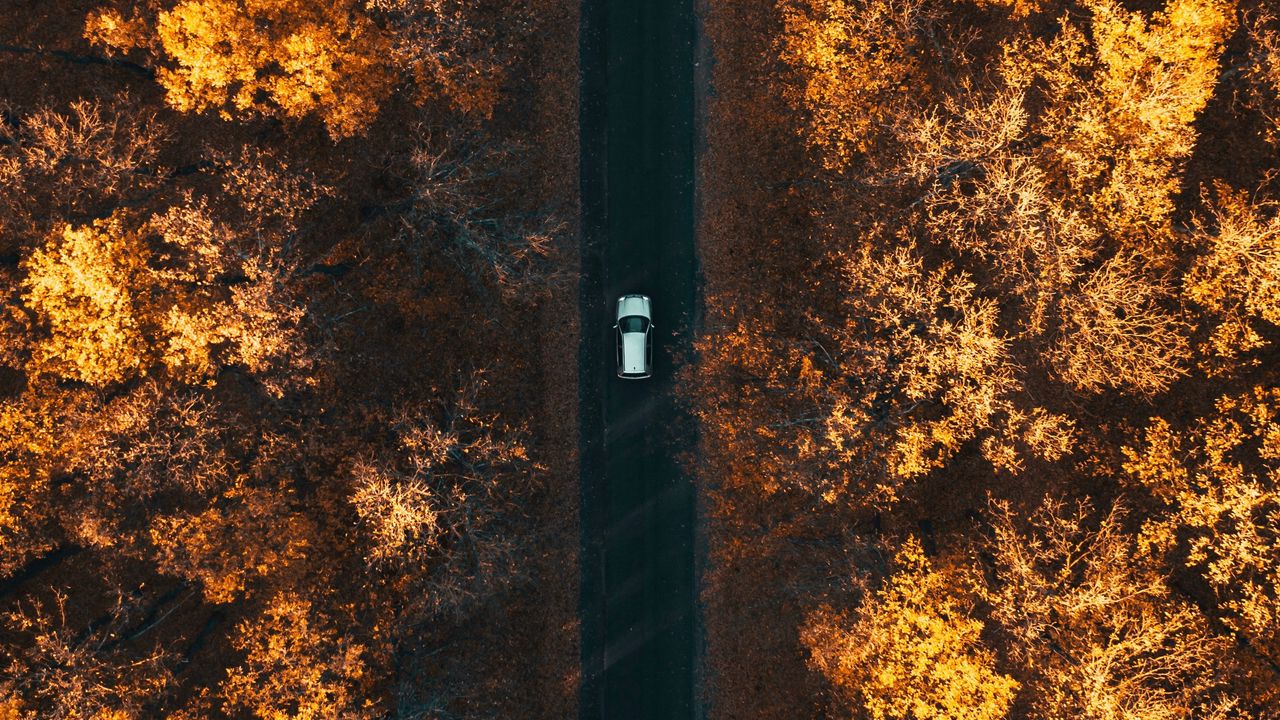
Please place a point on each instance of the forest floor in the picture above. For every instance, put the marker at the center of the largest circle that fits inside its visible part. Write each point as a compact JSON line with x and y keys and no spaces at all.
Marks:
{"x":533,"y":637}
{"x":752,"y":566}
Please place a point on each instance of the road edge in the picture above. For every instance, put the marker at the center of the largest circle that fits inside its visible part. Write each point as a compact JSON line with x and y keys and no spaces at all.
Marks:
{"x":592,"y":68}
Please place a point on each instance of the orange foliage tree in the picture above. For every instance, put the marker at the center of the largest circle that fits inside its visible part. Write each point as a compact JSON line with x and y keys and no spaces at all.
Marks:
{"x":1050,"y":182}
{"x":298,"y":666}
{"x":246,"y":537}
{"x":995,"y":262}
{"x":336,"y":61}
{"x":931,"y":368}
{"x":30,"y":440}
{"x":85,"y":287}
{"x":855,"y":61}
{"x":196,"y":400}
{"x":1052,"y":196}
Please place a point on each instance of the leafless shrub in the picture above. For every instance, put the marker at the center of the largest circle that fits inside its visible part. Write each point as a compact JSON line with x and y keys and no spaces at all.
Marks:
{"x":75,"y":163}
{"x":1264,"y":68}
{"x":443,"y":507}
{"x":986,"y":193}
{"x":64,"y":671}
{"x":447,"y":210}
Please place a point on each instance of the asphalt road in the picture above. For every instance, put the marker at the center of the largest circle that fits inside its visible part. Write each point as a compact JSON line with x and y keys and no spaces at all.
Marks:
{"x":638,"y":509}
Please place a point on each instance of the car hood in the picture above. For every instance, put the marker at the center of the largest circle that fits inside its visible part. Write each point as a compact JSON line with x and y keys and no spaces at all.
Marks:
{"x":633,"y":353}
{"x":633,"y":305}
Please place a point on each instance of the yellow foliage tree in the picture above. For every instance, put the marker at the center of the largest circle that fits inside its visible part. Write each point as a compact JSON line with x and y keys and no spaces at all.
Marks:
{"x":1236,"y":277}
{"x":932,"y":373}
{"x":89,"y":287}
{"x":1060,"y":180}
{"x":121,"y":296}
{"x":1093,"y":628}
{"x":1123,"y":101}
{"x":884,"y":387}
{"x":911,"y":650}
{"x":1218,"y":485}
{"x":288,"y":57}
{"x":932,"y":342}
{"x":990,"y":196}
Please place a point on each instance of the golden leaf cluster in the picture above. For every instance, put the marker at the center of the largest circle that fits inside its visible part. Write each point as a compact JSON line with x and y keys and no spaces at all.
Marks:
{"x":289,"y":57}
{"x":911,"y":650}
{"x":123,"y":296}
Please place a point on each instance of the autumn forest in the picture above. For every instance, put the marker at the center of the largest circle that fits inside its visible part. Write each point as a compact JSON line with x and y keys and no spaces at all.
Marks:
{"x":268,"y":444}
{"x":989,"y":400}
{"x":985,"y":378}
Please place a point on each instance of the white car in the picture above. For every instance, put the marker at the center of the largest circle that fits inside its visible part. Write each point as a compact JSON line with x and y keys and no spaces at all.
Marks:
{"x":634,"y":328}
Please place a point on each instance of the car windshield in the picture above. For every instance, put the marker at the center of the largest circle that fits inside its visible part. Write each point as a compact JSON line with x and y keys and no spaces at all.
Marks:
{"x":633,"y":323}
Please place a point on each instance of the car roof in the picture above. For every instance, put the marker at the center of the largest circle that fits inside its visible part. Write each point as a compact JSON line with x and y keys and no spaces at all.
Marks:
{"x":634,"y":305}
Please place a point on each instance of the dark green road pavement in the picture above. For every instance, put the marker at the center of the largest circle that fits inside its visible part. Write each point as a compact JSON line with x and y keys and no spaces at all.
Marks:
{"x":638,"y":509}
